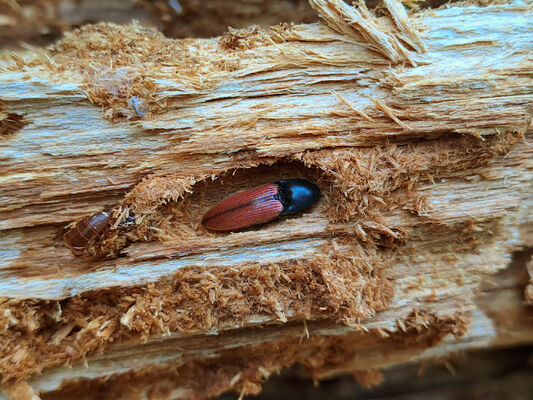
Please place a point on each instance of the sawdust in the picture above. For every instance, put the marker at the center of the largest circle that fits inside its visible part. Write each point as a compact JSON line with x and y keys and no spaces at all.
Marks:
{"x":363,"y":178}
{"x":118,"y":61}
{"x":344,"y":284}
{"x":235,"y":370}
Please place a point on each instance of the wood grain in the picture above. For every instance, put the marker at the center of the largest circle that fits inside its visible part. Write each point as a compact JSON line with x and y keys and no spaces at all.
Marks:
{"x":417,"y":128}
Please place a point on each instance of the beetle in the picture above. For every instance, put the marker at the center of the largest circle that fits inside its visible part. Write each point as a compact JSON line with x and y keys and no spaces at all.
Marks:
{"x":261,"y":205}
{"x":84,"y":232}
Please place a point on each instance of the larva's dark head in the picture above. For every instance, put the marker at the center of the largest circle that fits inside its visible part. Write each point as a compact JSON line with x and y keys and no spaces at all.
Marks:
{"x":297,"y":194}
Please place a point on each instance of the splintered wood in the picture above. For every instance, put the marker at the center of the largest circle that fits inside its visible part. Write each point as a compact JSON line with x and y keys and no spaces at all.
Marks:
{"x":416,"y":127}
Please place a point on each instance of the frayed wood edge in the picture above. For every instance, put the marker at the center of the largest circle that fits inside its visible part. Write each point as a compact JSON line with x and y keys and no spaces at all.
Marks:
{"x":409,"y":34}
{"x":357,"y":22}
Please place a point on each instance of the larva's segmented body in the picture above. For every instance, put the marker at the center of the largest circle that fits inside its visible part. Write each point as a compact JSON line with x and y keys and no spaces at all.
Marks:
{"x":88,"y":229}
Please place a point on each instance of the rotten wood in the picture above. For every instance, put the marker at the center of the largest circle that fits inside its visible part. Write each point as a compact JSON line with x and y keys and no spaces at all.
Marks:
{"x":417,"y":127}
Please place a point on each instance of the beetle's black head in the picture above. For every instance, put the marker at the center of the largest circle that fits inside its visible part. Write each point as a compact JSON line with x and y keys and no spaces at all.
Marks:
{"x":297,"y":194}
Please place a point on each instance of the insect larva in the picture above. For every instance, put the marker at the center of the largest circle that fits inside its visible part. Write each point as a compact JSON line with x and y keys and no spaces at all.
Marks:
{"x":84,"y":232}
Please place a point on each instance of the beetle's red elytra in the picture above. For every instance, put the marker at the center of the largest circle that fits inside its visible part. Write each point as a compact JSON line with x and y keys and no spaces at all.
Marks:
{"x":88,"y":229}
{"x":261,"y":205}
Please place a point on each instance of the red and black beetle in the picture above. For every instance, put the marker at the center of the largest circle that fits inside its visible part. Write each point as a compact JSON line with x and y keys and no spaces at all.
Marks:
{"x":261,"y":205}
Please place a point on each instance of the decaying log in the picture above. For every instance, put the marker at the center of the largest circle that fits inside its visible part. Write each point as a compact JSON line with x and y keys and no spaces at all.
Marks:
{"x":417,"y":128}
